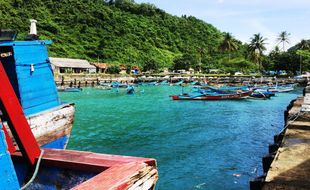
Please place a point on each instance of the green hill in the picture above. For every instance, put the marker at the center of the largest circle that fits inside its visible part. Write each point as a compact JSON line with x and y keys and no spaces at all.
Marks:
{"x":120,"y":31}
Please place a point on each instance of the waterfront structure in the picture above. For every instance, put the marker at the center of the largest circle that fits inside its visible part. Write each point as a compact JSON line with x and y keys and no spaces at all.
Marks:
{"x":287,"y":164}
{"x":66,"y":65}
{"x":101,"y":67}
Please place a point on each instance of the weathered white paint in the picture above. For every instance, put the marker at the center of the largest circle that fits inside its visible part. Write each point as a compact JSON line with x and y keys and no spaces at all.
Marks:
{"x":51,"y":124}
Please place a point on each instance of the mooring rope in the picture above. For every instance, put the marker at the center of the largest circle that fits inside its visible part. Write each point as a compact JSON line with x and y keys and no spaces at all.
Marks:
{"x":35,"y":171}
{"x":297,"y":115}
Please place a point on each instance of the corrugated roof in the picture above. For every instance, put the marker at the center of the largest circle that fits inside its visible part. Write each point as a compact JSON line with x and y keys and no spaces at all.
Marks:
{"x":71,"y":63}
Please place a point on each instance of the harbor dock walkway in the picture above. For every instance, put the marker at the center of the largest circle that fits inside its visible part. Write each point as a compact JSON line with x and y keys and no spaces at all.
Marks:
{"x":290,"y":168}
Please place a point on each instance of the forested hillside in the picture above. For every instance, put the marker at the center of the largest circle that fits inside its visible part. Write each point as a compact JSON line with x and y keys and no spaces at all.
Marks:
{"x":118,"y":31}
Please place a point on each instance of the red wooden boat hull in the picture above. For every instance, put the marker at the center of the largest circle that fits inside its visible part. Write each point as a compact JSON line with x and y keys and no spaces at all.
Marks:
{"x":109,"y":172}
{"x":214,"y":97}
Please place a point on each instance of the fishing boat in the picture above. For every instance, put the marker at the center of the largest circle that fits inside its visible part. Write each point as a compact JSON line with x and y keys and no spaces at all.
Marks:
{"x":32,"y":167}
{"x":29,"y":70}
{"x":179,"y":83}
{"x":36,"y":123}
{"x":118,"y":85}
{"x":261,"y":95}
{"x":213,"y":96}
{"x":275,"y":88}
{"x":164,"y":82}
{"x":281,"y":89}
{"x":69,"y":89}
{"x":130,"y":89}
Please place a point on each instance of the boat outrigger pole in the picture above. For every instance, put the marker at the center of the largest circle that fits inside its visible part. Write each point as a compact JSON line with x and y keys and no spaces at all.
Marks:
{"x":14,"y":114}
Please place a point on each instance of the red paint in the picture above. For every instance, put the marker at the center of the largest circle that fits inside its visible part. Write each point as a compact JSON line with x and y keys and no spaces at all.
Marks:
{"x":17,"y":122}
{"x":114,"y":172}
{"x":9,"y":141}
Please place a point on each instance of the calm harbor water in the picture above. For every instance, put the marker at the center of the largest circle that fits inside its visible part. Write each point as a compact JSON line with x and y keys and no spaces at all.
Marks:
{"x":197,"y":144}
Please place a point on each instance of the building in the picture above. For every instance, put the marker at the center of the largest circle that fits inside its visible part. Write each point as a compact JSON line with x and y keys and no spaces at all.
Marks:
{"x":101,"y":67}
{"x":66,"y":65}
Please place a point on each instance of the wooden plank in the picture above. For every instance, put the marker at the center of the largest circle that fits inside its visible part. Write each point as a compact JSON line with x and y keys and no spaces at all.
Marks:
{"x":119,"y":177}
{"x":18,"y":124}
{"x":51,"y":124}
{"x":85,"y":161}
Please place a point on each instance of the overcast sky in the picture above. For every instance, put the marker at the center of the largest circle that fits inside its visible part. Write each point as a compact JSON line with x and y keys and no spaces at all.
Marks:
{"x":243,"y":18}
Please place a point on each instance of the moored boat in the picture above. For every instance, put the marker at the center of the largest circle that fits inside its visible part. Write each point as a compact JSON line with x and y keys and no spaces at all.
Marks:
{"x":214,"y":96}
{"x":30,"y":93}
{"x":28,"y":68}
{"x":61,"y":169}
{"x":70,"y":89}
{"x":281,"y":89}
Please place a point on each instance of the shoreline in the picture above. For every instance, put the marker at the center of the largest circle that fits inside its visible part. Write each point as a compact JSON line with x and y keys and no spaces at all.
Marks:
{"x":85,"y":80}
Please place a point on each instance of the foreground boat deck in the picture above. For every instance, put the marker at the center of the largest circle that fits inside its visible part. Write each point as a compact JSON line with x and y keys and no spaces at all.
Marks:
{"x":290,"y":168}
{"x":110,"y":171}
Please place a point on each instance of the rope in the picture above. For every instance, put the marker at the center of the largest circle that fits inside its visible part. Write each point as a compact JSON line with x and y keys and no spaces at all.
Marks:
{"x":35,"y":171}
{"x":34,"y":64}
{"x":290,"y":119}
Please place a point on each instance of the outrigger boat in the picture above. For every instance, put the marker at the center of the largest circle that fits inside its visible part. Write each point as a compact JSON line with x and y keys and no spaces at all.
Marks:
{"x":213,"y":96}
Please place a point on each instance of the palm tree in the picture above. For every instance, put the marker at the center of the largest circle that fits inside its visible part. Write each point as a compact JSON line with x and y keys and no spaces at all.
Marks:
{"x":229,"y":44}
{"x":283,"y":38}
{"x":257,"y":47}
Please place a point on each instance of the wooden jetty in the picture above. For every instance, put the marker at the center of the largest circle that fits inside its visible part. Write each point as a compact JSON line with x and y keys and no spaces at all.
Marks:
{"x":287,"y":166}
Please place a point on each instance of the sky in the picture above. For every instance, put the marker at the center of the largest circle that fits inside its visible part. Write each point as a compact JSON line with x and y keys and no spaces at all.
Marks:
{"x":244,"y":18}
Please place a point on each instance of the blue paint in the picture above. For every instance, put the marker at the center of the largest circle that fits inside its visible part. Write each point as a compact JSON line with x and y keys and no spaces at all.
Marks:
{"x":31,"y":75}
{"x":22,"y":168}
{"x":51,"y":178}
{"x":57,"y":144}
{"x":21,"y":171}
{"x":8,"y":177}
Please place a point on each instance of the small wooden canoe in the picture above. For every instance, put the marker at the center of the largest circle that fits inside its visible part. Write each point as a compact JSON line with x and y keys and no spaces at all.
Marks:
{"x":232,"y":96}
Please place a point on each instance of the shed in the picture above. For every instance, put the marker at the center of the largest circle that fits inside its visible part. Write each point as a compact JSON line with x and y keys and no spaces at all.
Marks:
{"x":101,"y":67}
{"x":63,"y":65}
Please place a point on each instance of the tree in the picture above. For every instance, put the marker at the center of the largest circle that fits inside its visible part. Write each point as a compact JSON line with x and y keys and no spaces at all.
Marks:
{"x":303,"y":45}
{"x":256,"y":48}
{"x":201,"y":52}
{"x":229,"y":44}
{"x":283,"y":38}
{"x":151,"y":65}
{"x":185,"y":62}
{"x":113,"y":69}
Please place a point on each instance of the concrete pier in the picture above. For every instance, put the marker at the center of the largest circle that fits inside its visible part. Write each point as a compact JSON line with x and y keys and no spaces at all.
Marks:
{"x":288,"y":167}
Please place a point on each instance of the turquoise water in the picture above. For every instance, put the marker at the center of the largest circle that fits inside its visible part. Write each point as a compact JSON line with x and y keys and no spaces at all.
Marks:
{"x":197,"y":144}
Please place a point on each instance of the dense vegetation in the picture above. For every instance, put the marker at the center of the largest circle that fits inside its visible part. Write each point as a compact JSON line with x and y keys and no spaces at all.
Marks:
{"x":123,"y":32}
